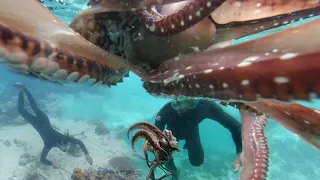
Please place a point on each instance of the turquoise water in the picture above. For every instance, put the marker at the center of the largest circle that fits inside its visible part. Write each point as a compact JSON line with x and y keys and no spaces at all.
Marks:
{"x":291,"y":158}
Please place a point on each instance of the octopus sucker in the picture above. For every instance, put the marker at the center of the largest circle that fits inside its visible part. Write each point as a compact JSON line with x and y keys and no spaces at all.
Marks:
{"x":55,"y":63}
{"x":73,"y":76}
{"x":255,"y":147}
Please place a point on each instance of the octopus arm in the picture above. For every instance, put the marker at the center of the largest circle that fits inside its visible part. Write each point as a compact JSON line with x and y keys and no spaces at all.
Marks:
{"x":280,"y":66}
{"x":145,"y":147}
{"x":255,"y":147}
{"x":240,"y":10}
{"x":150,"y":128}
{"x":126,"y":5}
{"x":301,"y":120}
{"x":186,"y":14}
{"x":32,"y":40}
{"x":235,"y":30}
{"x":148,"y":136}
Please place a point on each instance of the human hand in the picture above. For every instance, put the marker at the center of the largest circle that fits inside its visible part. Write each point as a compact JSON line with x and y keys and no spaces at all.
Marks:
{"x":238,"y":162}
{"x":19,"y":86}
{"x":89,"y":159}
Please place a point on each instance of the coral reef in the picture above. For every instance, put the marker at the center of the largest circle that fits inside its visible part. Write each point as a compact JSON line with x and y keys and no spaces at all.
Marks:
{"x":104,"y":174}
{"x":119,"y":168}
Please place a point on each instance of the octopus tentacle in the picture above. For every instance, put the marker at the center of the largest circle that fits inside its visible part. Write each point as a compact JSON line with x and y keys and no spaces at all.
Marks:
{"x":255,"y":147}
{"x":188,"y":16}
{"x":148,"y":136}
{"x":151,"y":129}
{"x":168,"y":174}
{"x":246,"y":10}
{"x":301,"y":120}
{"x":145,"y":152}
{"x":279,"y":66}
{"x":235,"y":30}
{"x":132,"y":5}
{"x":156,"y":163}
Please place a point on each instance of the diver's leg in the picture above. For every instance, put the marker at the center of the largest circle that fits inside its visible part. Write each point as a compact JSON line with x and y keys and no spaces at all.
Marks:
{"x":33,"y":104}
{"x":195,"y":149}
{"x":25,"y":114}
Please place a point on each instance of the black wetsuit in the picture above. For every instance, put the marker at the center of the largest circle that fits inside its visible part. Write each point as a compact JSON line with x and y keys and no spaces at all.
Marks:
{"x":51,"y":138}
{"x":186,"y":126}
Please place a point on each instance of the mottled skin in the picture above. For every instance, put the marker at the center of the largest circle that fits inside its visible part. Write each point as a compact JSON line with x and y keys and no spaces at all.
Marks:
{"x":162,"y":145}
{"x":198,"y":61}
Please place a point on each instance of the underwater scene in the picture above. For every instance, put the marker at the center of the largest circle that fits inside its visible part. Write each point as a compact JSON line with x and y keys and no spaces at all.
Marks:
{"x":166,"y":89}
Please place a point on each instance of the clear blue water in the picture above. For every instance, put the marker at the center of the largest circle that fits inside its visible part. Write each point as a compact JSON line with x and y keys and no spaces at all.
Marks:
{"x":291,"y":158}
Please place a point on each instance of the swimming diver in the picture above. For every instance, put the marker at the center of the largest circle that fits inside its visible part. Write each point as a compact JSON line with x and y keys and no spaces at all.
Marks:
{"x":183,"y":116}
{"x":51,"y":138}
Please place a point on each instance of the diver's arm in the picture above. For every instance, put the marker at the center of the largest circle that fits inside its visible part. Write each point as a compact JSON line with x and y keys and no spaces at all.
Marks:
{"x":83,"y":148}
{"x":215,"y":112}
{"x":80,"y":143}
{"x":44,"y":154}
{"x":162,"y":117}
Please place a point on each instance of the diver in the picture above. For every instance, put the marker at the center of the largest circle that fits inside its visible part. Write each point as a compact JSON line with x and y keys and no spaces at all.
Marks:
{"x":40,"y":121}
{"x":183,"y":116}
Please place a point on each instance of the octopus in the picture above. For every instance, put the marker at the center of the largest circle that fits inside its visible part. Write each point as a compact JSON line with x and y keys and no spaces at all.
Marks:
{"x":161,"y":144}
{"x":182,"y":48}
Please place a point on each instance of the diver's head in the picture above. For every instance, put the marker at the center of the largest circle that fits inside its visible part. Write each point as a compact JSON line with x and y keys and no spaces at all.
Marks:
{"x":183,"y":104}
{"x":63,"y":146}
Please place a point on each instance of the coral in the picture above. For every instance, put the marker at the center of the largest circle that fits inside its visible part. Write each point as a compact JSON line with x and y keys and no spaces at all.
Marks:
{"x":101,"y":129}
{"x":78,"y":174}
{"x":103,"y":174}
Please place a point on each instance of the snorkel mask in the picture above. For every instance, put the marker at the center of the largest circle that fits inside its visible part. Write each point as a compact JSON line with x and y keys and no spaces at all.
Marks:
{"x":182,"y":104}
